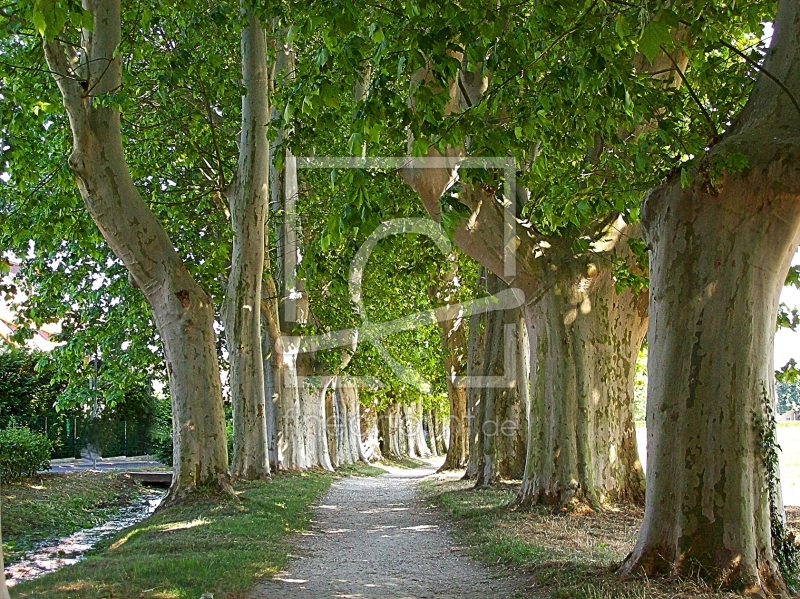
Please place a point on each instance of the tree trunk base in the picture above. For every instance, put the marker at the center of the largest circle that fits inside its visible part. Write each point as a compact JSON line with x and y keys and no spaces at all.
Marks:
{"x":177,"y":495}
{"x":752,"y":580}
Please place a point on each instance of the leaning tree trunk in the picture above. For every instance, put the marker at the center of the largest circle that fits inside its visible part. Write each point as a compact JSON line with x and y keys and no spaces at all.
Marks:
{"x":248,"y":198}
{"x":720,"y":251}
{"x":501,"y":409}
{"x":182,"y":310}
{"x":584,"y":339}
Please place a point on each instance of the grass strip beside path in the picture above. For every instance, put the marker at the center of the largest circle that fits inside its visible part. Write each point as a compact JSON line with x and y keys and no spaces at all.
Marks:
{"x":202,"y":546}
{"x":568,"y":555}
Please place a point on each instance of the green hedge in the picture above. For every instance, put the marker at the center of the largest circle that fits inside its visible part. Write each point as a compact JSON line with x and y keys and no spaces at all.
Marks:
{"x":23,"y":453}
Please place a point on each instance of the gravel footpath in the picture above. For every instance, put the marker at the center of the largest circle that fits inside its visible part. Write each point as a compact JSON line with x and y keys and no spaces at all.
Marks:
{"x":378,"y":538}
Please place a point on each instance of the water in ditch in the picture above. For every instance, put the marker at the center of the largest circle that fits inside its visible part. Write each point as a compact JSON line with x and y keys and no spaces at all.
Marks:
{"x":51,"y":554}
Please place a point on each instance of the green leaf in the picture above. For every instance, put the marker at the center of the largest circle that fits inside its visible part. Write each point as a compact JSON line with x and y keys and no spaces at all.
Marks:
{"x":292,"y":33}
{"x":39,"y":21}
{"x":622,"y":27}
{"x":793,"y":277}
{"x":686,"y":178}
{"x":654,"y":35}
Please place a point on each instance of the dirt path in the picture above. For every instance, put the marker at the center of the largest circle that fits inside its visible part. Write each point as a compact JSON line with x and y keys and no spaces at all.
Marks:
{"x":377,"y":538}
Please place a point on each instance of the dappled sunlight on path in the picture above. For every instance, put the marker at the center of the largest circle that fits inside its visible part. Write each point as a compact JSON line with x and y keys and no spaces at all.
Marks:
{"x":378,"y":538}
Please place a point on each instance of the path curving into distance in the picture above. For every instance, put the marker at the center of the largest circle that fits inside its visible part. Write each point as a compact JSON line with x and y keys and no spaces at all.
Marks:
{"x":378,"y":538}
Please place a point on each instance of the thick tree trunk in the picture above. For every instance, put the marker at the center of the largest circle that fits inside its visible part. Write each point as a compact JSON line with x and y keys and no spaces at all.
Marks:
{"x":348,"y":422}
{"x":457,"y":450}
{"x":248,"y":198}
{"x":271,"y":380}
{"x":409,"y":430}
{"x":393,"y":432}
{"x":436,"y":433}
{"x":183,"y":312}
{"x":430,"y":423}
{"x":416,"y":415}
{"x":455,"y":345}
{"x":313,"y":418}
{"x":584,"y":340}
{"x":501,"y":412}
{"x":475,"y":355}
{"x":370,"y":436}
{"x":720,"y":251}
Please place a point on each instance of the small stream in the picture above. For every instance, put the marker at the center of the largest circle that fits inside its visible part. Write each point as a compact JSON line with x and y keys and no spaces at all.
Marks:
{"x":52,"y":554}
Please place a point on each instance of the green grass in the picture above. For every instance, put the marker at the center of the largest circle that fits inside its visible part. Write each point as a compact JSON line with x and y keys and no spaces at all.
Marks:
{"x":203,"y":546}
{"x":359,"y":469}
{"x":405,"y":463}
{"x":568,"y":555}
{"x":54,"y":505}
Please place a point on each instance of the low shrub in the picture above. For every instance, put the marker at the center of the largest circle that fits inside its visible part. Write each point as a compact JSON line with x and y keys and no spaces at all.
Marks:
{"x":23,"y":453}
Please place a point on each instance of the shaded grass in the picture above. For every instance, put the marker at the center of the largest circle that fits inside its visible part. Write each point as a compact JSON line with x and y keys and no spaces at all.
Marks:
{"x":568,"y":555}
{"x":203,"y":546}
{"x":405,"y":462}
{"x":54,"y":505}
{"x":359,"y":469}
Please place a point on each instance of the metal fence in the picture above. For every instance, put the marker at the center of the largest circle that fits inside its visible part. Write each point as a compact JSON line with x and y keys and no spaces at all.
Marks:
{"x":73,"y":435}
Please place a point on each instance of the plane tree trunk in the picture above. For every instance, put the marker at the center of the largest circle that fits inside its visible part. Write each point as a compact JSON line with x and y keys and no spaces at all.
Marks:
{"x":347,"y":416}
{"x":584,"y":339}
{"x":182,"y":310}
{"x":298,"y":405}
{"x":436,"y":432}
{"x":475,"y":356}
{"x":501,"y":408}
{"x":393,"y":431}
{"x":248,"y":196}
{"x":454,"y":342}
{"x":370,"y":435}
{"x":720,"y":251}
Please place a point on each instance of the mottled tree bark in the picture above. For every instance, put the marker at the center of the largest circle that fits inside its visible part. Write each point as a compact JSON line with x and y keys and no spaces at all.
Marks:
{"x":298,"y":407}
{"x":348,"y":422}
{"x":720,"y":251}
{"x":584,"y":338}
{"x":455,"y":345}
{"x":248,"y":196}
{"x":393,"y":432}
{"x":501,"y":411}
{"x":182,"y":310}
{"x":588,"y":365}
{"x":475,"y":355}
{"x":370,"y":435}
{"x":436,"y":433}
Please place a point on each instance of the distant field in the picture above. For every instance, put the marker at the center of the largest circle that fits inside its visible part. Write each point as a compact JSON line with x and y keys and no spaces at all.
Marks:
{"x":788,"y":439}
